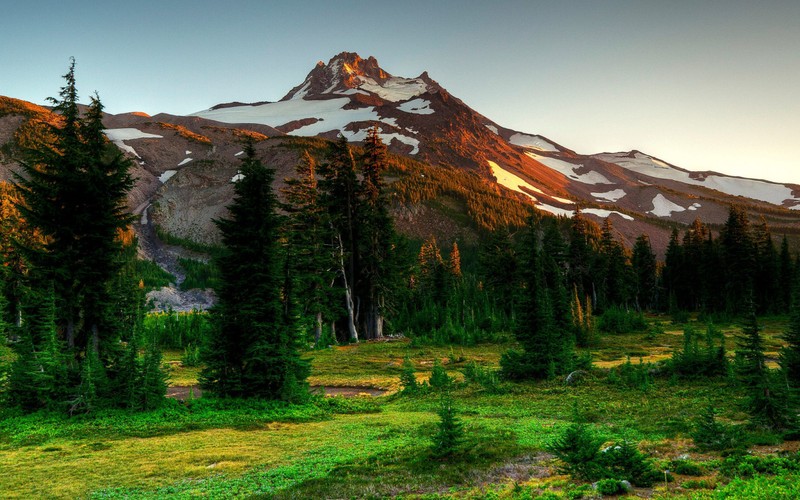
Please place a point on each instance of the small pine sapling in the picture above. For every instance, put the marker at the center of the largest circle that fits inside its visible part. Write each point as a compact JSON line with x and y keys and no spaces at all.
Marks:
{"x":408,"y":378}
{"x":439,"y":378}
{"x":451,"y":430}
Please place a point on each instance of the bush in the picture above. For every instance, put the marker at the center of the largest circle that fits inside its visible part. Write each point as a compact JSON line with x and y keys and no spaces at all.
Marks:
{"x":686,"y":468}
{"x":610,"y":487}
{"x":439,"y":378}
{"x":408,"y":378}
{"x":579,"y":450}
{"x":630,"y":375}
{"x":709,"y":434}
{"x":484,"y":377}
{"x":617,"y":320}
{"x":191,"y":356}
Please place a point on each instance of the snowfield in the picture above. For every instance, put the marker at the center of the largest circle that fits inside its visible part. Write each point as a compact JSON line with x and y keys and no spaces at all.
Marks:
{"x":386,"y":138}
{"x":493,"y":129}
{"x":184,"y":162}
{"x":760,"y":190}
{"x":531,"y":142}
{"x":568,"y":169}
{"x":662,"y":207}
{"x":167,"y":175}
{"x":329,"y":114}
{"x":611,"y":196}
{"x":512,"y":181}
{"x":417,"y":107}
{"x":119,"y":135}
{"x":599,"y":212}
{"x":394,"y":89}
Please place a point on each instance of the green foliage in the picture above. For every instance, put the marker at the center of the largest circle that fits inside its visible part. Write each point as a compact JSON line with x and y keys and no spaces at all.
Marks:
{"x":253,"y":349}
{"x":686,"y":468}
{"x":635,"y":376}
{"x":191,"y":356}
{"x":706,"y":360}
{"x":151,"y":275}
{"x":619,"y":320}
{"x":439,"y":379}
{"x":710,"y":434}
{"x":624,"y":461}
{"x":578,"y":448}
{"x":450,"y":432}
{"x":177,"y":330}
{"x":486,"y":378}
{"x":188,"y":244}
{"x":408,"y":378}
{"x":610,"y":487}
{"x":199,"y":274}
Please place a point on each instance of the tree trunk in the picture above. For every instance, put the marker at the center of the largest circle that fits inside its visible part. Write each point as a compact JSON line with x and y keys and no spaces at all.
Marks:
{"x":351,"y":325}
{"x":318,"y":329}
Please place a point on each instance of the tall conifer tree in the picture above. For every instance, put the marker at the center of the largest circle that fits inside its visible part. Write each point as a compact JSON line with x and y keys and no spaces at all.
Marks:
{"x":252,"y":351}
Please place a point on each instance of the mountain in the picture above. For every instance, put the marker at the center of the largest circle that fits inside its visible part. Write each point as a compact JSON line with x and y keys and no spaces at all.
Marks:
{"x":476,"y":173}
{"x":419,"y":118}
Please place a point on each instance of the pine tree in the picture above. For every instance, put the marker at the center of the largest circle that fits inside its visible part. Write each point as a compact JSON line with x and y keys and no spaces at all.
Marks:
{"x":738,"y":257}
{"x":340,"y":191}
{"x":311,"y":259}
{"x":764,"y":400}
{"x":645,"y":268}
{"x":450,"y":432}
{"x":252,"y":351}
{"x":74,"y":189}
{"x":377,"y":238}
{"x":790,"y":353}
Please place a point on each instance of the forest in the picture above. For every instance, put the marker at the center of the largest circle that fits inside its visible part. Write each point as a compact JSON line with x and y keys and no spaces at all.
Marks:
{"x":546,"y":361}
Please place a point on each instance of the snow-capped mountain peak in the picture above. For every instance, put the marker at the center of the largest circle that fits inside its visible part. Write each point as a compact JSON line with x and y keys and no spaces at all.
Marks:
{"x":348,"y":73}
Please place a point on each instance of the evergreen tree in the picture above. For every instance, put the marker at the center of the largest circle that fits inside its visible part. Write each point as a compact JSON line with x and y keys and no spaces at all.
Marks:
{"x":431,"y":283}
{"x":377,"y":238}
{"x":645,"y":268}
{"x":672,"y":275}
{"x":311,"y":259}
{"x":785,"y":274}
{"x":764,"y":400}
{"x":500,"y":269}
{"x":450,"y":432}
{"x":74,"y":189}
{"x":548,"y":348}
{"x":738,"y":258}
{"x":790,"y":353}
{"x":252,"y":351}
{"x":340,"y":196}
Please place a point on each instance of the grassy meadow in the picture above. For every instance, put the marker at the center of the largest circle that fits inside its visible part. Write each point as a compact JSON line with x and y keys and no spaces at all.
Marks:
{"x":375,"y":447}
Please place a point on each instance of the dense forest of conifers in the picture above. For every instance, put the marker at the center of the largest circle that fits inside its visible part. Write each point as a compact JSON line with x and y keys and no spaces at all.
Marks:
{"x":321,"y":263}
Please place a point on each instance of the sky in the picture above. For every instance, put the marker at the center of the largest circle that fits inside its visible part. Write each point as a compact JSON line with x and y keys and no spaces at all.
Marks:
{"x":704,"y":85}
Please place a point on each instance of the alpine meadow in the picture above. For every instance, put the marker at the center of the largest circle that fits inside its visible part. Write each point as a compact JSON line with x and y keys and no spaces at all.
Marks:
{"x":367,"y":289}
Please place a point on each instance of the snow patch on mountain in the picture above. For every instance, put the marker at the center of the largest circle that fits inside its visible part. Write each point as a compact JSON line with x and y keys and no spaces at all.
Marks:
{"x":119,"y":135}
{"x":184,"y":162}
{"x":568,"y":169}
{"x":531,"y":142}
{"x":386,"y":138}
{"x":394,"y":89}
{"x":329,"y":113}
{"x":760,"y":190}
{"x":493,"y":129}
{"x":662,"y":207}
{"x":167,"y":175}
{"x":416,"y":106}
{"x":611,"y":196}
{"x":599,"y":212}
{"x":512,"y":181}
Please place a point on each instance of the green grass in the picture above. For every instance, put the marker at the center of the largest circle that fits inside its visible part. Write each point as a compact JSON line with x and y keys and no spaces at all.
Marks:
{"x":376,"y":448}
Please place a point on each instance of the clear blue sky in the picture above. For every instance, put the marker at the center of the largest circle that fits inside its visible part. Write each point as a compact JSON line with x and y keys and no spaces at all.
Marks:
{"x":706,"y":85}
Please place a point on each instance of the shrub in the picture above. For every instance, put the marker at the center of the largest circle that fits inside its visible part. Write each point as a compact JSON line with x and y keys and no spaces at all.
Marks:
{"x":579,"y":449}
{"x":617,"y":320}
{"x":484,"y":377}
{"x":709,"y":434}
{"x":191,"y":356}
{"x":408,"y":378}
{"x":624,"y":461}
{"x":686,"y":468}
{"x":451,"y":430}
{"x":439,"y":378}
{"x":610,"y":487}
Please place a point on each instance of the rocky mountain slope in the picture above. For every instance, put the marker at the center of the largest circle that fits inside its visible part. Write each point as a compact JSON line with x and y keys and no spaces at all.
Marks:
{"x":185,"y":165}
